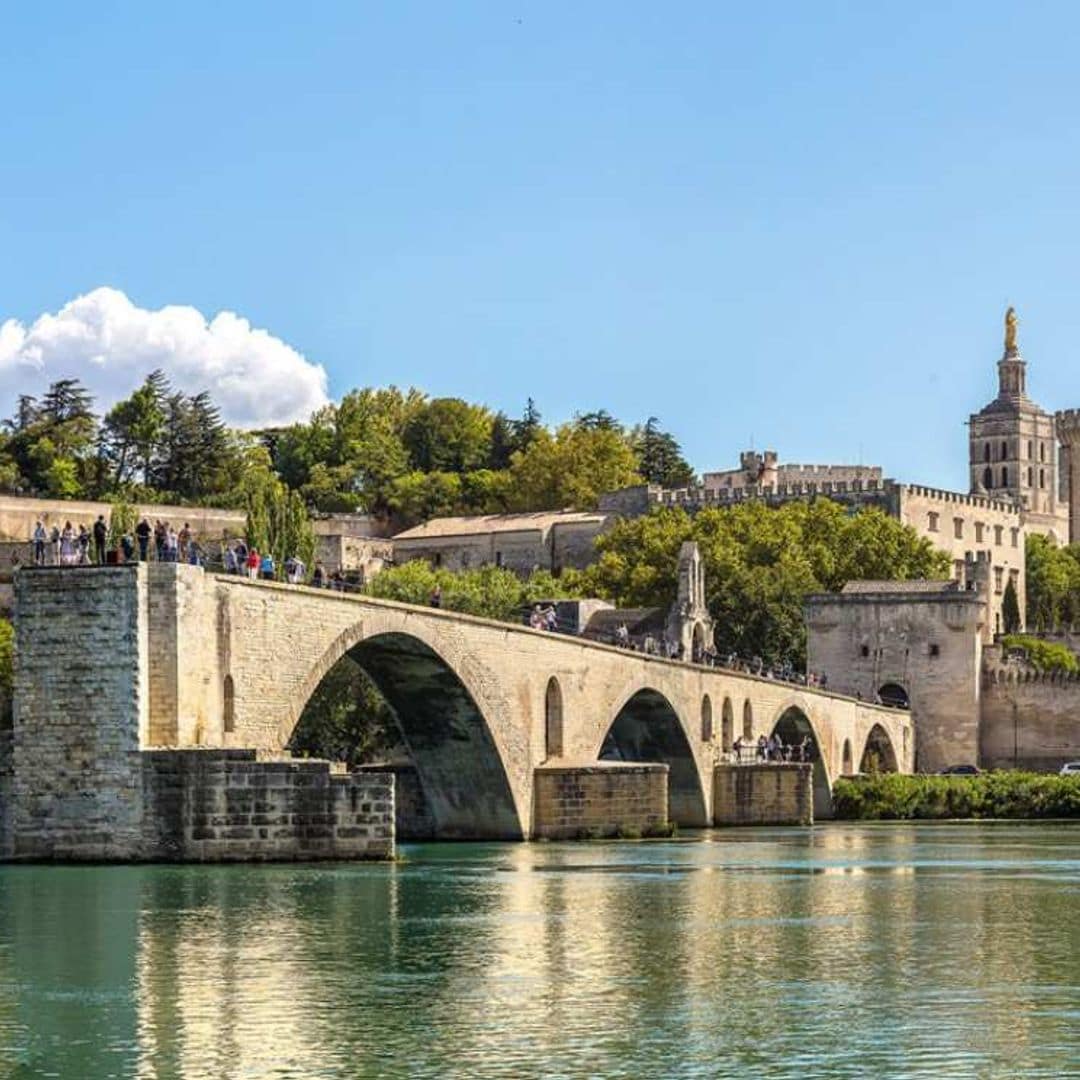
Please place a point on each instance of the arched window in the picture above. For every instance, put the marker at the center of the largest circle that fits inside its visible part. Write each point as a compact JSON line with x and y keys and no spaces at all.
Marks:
{"x":747,"y":720}
{"x":1004,"y":476}
{"x":229,"y":700}
{"x":988,"y":478}
{"x":1031,"y":450}
{"x":848,"y":762}
{"x":727,"y":725}
{"x":706,"y":719}
{"x":1042,"y":478}
{"x":986,"y":452}
{"x":553,"y":719}
{"x":1031,"y":477}
{"x":1004,"y":450}
{"x":1042,"y":451}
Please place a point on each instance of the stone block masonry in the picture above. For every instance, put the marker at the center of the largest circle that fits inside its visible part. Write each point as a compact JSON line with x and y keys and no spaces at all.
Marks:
{"x":228,"y":806}
{"x":763,"y":795}
{"x":605,"y":799}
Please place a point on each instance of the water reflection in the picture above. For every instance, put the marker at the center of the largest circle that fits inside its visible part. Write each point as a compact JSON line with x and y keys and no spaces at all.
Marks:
{"x":838,"y":951}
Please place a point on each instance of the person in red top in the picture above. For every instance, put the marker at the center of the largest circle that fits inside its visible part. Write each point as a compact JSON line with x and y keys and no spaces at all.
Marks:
{"x":253,"y":561}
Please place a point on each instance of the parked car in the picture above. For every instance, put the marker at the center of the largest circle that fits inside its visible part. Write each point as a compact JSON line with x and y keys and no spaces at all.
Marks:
{"x":961,"y":770}
{"x":1070,"y":768}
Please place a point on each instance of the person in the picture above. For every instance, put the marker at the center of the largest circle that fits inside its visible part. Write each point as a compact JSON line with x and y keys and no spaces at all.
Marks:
{"x":101,"y":534}
{"x":253,"y":562}
{"x":83,"y":542}
{"x":172,"y":544}
{"x":435,"y":599}
{"x":57,"y":543}
{"x":318,"y":578}
{"x":127,"y":545}
{"x":804,"y":749}
{"x":193,"y":553}
{"x":298,"y":570}
{"x":229,"y":558}
{"x":142,"y":534}
{"x":159,"y":539}
{"x":736,"y":748}
{"x":184,"y":539}
{"x":622,"y":636}
{"x":241,"y":556}
{"x":266,"y":567}
{"x":762,"y":747}
{"x":551,"y":620}
{"x":40,"y":536}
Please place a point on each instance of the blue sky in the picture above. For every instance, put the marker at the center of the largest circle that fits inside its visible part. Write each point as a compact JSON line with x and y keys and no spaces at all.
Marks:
{"x":796,"y":224}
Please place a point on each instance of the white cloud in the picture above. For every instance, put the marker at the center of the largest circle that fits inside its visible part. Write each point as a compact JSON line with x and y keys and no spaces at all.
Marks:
{"x":111,"y":344}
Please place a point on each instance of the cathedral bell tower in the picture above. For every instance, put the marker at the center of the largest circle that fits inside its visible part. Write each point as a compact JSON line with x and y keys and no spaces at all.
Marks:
{"x":1013,"y":446}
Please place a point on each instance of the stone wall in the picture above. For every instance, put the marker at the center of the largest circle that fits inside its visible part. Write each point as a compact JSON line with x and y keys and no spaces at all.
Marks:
{"x":1028,"y":721}
{"x":79,"y":713}
{"x":227,"y":806}
{"x":763,"y":795}
{"x":6,"y":779}
{"x":605,"y":799}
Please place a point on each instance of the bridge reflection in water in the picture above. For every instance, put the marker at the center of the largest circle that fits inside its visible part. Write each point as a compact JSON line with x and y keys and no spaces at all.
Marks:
{"x":838,"y":951}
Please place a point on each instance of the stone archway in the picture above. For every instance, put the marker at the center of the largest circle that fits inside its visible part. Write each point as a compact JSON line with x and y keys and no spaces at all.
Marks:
{"x":795,"y":728}
{"x":894,"y":695}
{"x":878,"y":755}
{"x":461,"y":771}
{"x":647,"y":728}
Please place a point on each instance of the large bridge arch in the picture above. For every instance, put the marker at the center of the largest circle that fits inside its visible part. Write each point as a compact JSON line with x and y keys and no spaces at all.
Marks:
{"x":646,"y":726}
{"x":879,"y":754}
{"x":442,"y":720}
{"x":793,"y":723}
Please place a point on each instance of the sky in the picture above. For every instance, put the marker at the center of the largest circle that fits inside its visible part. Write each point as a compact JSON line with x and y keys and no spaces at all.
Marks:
{"x":793,"y":226}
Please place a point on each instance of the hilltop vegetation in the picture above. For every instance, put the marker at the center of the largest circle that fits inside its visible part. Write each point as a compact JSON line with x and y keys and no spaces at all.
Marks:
{"x":390,"y":452}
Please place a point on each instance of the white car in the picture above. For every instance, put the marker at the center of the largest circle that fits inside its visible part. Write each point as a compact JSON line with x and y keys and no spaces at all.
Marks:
{"x":1070,"y":768}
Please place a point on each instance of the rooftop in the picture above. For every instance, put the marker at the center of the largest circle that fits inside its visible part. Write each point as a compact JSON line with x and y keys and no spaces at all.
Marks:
{"x":495,"y":523}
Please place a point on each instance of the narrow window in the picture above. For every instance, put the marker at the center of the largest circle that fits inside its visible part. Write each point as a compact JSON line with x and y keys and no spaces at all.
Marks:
{"x":498,"y":558}
{"x":1015,"y":537}
{"x":229,"y":697}
{"x":1042,"y":451}
{"x":978,"y":532}
{"x":706,"y":719}
{"x":1031,"y":450}
{"x":1031,"y":475}
{"x":1042,"y":478}
{"x":747,"y":720}
{"x":553,"y":719}
{"x":865,"y":651}
{"x":997,"y":534}
{"x":1004,"y":476}
{"x":998,"y":573}
{"x":958,"y":528}
{"x":935,"y":649}
{"x":932,"y":521}
{"x":986,"y":452}
{"x":1004,"y":450}
{"x":988,"y":478}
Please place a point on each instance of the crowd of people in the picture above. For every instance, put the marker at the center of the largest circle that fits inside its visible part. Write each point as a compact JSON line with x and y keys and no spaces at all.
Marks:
{"x":772,"y":748}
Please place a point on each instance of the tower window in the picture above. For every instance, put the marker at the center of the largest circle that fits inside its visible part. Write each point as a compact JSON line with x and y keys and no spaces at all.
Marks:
{"x":1004,"y":476}
{"x":1042,"y":451}
{"x":997,"y":534}
{"x":1031,"y":449}
{"x":932,"y":520}
{"x":958,"y":528}
{"x":1042,"y":478}
{"x":935,"y":649}
{"x":998,"y":573}
{"x":986,"y":452}
{"x":1004,"y":450}
{"x":978,"y":532}
{"x":865,"y":651}
{"x":1031,"y":482}
{"x":988,"y":478}
{"x":1015,"y":537}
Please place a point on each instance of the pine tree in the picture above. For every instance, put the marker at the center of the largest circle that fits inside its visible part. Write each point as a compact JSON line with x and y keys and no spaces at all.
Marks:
{"x":1010,"y":608}
{"x":660,"y":459}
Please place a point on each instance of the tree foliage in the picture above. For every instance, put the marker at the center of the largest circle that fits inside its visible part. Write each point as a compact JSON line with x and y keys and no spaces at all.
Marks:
{"x":277,"y":520}
{"x":760,"y":564}
{"x":1053,"y":584}
{"x":1043,"y":655}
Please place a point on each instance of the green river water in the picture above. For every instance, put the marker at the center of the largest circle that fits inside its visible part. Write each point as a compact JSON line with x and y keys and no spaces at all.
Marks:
{"x":839,"y":951}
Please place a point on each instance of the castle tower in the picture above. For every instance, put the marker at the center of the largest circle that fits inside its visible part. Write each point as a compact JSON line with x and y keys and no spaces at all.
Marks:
{"x":1013,"y":446}
{"x":1067,"y":424}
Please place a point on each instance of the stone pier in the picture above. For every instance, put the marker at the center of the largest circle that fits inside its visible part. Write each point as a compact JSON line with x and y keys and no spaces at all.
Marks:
{"x":767,"y":794}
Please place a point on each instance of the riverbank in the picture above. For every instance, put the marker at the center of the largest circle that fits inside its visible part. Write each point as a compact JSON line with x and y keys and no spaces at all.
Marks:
{"x":1017,"y":795}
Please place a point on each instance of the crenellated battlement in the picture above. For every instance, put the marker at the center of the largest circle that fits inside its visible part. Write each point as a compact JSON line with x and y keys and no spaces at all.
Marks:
{"x":958,"y":498}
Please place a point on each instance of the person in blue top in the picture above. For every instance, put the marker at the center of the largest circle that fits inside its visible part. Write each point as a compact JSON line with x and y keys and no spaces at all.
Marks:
{"x":266,"y":568}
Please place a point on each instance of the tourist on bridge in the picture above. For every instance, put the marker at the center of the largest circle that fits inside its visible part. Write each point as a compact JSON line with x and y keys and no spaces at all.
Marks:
{"x":229,"y":559}
{"x":127,"y":545}
{"x":142,"y":534}
{"x":318,"y":577}
{"x":55,"y":538}
{"x":253,"y":562}
{"x":435,"y":599}
{"x":241,"y":551}
{"x":83,"y":542}
{"x":159,"y":539}
{"x":294,"y":570}
{"x":184,"y":539}
{"x":762,"y":748}
{"x":101,"y":534}
{"x":266,"y":567}
{"x":172,"y":544}
{"x":40,"y":536}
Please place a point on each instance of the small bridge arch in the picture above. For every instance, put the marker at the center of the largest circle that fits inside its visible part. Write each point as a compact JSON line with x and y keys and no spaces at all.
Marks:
{"x":648,"y":727}
{"x":878,"y":755}
{"x":793,"y":725}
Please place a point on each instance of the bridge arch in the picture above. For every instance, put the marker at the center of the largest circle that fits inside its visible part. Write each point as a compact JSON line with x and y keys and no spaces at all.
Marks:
{"x":793,"y":725}
{"x":878,"y":755}
{"x":460,"y":765}
{"x":553,"y":719}
{"x":647,"y":727}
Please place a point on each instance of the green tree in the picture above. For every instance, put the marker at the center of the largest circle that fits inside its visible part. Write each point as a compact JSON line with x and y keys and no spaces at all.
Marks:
{"x":132,"y":430}
{"x":1010,"y":609}
{"x":571,"y":468}
{"x":660,"y":459}
{"x":277,"y":519}
{"x":449,"y":435}
{"x":1043,"y":655}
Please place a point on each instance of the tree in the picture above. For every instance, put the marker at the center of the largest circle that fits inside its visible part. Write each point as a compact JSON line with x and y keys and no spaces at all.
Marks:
{"x":528,"y":427}
{"x":760,"y":563}
{"x":660,"y":459}
{"x":132,"y":430}
{"x":449,"y":435}
{"x":571,"y":468}
{"x":1010,"y":609}
{"x":277,"y":520}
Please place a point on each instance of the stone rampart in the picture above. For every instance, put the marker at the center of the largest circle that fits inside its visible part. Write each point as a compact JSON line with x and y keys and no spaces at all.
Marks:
{"x":598,"y":800}
{"x":1028,"y":720}
{"x":767,"y":794}
{"x":227,"y":806}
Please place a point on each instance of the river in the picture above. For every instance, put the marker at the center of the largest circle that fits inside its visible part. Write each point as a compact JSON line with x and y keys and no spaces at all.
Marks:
{"x":840,"y":951}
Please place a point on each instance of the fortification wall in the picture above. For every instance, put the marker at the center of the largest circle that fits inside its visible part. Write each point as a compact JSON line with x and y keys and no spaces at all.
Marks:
{"x":18,"y":516}
{"x":1028,"y":720}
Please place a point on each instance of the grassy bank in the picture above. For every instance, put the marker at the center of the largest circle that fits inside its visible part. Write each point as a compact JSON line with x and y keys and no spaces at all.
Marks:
{"x":890,"y":797}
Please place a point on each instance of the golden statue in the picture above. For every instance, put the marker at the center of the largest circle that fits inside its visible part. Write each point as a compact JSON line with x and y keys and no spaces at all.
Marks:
{"x":1010,"y":331}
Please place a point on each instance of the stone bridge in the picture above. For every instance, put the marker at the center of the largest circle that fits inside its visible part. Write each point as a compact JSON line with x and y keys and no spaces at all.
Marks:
{"x":221,"y":661}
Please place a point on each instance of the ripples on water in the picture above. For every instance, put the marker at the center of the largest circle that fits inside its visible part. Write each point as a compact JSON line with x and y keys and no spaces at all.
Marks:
{"x":841,"y":951}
